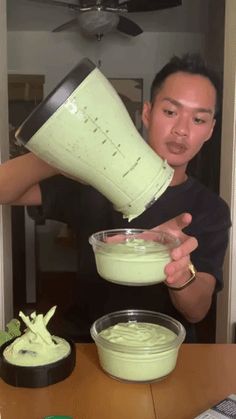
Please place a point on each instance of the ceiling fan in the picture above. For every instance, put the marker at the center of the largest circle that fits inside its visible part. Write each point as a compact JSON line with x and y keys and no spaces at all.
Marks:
{"x":98,"y":17}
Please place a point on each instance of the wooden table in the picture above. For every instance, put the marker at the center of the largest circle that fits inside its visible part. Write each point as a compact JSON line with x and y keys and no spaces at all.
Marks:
{"x":204,"y":375}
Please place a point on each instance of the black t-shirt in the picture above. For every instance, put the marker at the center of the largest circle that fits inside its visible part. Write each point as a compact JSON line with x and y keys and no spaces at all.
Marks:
{"x":86,"y":211}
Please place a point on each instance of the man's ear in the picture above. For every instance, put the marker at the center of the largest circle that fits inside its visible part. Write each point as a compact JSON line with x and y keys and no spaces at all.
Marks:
{"x":146,"y":113}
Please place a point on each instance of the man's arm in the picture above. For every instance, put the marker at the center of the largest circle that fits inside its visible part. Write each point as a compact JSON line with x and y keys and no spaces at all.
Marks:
{"x":19,"y":179}
{"x":193,"y":301}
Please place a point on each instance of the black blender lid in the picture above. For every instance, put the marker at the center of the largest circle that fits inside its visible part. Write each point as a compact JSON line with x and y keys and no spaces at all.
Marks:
{"x":54,"y":100}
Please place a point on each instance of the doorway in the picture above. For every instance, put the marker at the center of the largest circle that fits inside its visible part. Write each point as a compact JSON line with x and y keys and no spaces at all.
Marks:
{"x":218,"y":144}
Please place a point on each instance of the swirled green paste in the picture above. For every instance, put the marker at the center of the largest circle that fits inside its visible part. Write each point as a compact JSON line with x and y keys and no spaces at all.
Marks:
{"x":134,"y":262}
{"x":138,"y":351}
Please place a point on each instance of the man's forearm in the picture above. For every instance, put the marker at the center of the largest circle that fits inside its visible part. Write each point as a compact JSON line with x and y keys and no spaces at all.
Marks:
{"x":194,"y":301}
{"x":20,"y":174}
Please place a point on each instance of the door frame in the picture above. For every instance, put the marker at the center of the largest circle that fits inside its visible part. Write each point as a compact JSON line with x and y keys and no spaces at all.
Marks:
{"x":6,"y":290}
{"x":226,"y":306}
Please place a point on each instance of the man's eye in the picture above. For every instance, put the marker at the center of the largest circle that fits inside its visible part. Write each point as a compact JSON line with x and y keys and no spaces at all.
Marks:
{"x":199,"y":121}
{"x":168,"y":112}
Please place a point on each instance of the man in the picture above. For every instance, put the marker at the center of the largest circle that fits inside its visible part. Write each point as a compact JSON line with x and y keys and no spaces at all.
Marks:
{"x":179,"y":119}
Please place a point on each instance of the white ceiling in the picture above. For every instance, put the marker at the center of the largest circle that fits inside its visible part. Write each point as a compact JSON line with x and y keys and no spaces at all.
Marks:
{"x":25,"y":15}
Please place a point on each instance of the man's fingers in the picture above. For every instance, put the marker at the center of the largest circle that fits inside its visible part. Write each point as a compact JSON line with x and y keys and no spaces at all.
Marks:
{"x":186,"y":247}
{"x":174,"y":267}
{"x":177,"y":223}
{"x":183,"y":220}
{"x":117,"y":238}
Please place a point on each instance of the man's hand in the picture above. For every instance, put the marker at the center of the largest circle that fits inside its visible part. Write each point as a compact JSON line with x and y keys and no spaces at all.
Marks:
{"x":177,"y":271}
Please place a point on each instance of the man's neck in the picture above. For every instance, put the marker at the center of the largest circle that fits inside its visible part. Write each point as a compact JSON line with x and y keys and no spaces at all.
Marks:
{"x":179,"y":177}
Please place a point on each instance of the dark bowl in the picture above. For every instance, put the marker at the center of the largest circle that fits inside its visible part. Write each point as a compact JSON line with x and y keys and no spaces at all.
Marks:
{"x":37,"y":376}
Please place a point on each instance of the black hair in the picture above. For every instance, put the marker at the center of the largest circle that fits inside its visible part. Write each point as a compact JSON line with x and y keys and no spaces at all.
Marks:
{"x":188,"y":63}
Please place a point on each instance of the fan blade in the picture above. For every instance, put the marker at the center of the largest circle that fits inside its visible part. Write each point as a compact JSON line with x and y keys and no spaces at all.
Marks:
{"x":57,"y":3}
{"x":66,"y":25}
{"x":128,"y":27}
{"x":150,"y":5}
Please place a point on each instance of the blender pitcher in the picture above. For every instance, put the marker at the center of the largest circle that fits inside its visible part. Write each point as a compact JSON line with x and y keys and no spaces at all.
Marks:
{"x":83,"y":129}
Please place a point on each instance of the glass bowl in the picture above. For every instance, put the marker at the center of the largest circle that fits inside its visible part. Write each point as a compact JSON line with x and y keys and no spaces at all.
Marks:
{"x":132,"y":256}
{"x":137,"y":345}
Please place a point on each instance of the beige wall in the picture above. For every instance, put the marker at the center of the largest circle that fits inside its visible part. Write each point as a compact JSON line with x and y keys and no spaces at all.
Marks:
{"x":54,"y":54}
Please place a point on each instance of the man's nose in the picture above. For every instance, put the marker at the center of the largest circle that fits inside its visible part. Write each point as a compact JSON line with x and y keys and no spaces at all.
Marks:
{"x":181,"y":127}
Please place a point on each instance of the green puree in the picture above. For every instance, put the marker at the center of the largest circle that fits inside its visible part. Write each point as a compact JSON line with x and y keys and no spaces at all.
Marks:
{"x":36,"y":346}
{"x":138,"y":351}
{"x":134,"y":262}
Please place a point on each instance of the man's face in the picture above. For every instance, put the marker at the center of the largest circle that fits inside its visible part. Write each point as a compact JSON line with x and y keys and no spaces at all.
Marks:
{"x":181,"y":118}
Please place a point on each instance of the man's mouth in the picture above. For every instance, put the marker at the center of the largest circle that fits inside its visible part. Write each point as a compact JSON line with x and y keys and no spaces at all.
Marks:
{"x":176,"y":148}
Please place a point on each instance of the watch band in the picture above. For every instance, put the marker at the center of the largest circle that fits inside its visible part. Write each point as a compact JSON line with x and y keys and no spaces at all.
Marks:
{"x":188,"y":282}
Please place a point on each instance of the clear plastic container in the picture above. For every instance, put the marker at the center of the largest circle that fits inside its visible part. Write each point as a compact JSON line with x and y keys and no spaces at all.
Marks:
{"x":132,"y":256}
{"x":142,"y":355}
